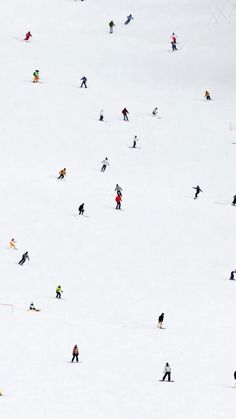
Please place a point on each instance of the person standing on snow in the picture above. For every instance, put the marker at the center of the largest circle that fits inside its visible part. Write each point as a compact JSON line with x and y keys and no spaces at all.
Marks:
{"x":166,"y":372}
{"x":101,"y":116}
{"x":84,"y":81}
{"x":36,"y":76}
{"x":135,"y":140}
{"x":198,"y":189}
{"x":27,"y":36}
{"x":234,"y":200}
{"x":25,"y":256}
{"x":12,"y":244}
{"x":118,"y":202}
{"x":118,"y":189}
{"x":129,"y":18}
{"x":125,"y":113}
{"x":160,"y":321}
{"x":235,"y":377}
{"x":173,"y":42}
{"x":105,"y":163}
{"x":58,"y":292}
{"x":111,"y":26}
{"x":207,"y":95}
{"x":81,"y":209}
{"x":62,"y":173}
{"x":75,"y":354}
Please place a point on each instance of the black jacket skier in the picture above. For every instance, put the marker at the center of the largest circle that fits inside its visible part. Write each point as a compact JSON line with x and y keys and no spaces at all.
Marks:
{"x":81,"y":209}
{"x":160,"y":320}
{"x":23,"y":259}
{"x":232,"y":275}
{"x":84,"y":81}
{"x":234,"y":200}
{"x":198,"y":189}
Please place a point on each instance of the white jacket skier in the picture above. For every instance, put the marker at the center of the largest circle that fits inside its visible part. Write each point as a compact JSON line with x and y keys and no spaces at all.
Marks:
{"x":105,"y":163}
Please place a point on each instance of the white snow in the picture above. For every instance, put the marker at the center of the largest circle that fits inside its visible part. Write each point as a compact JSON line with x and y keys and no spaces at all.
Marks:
{"x":165,"y":252}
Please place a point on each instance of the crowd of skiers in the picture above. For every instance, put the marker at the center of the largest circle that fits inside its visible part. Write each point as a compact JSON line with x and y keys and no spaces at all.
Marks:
{"x":118,"y":190}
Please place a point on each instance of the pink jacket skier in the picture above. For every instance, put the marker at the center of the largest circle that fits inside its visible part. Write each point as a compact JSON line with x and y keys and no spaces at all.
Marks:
{"x":27,"y":36}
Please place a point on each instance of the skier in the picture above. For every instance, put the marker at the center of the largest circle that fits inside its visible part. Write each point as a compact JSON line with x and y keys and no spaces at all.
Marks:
{"x":173,"y":38}
{"x":101,"y":116}
{"x":105,"y":163}
{"x":234,"y":200}
{"x":32,"y":307}
{"x":75,"y":354}
{"x":125,"y":114}
{"x":167,"y":372}
{"x":232,"y":275}
{"x":198,"y":189}
{"x":111,"y":26}
{"x":62,"y":173}
{"x":235,"y":376}
{"x":12,"y":244}
{"x":129,"y":18}
{"x":81,"y":209}
{"x":135,"y":141}
{"x":27,"y":36}
{"x":23,"y":259}
{"x":36,"y":76}
{"x":160,"y":320}
{"x":155,"y":111}
{"x":84,"y":80}
{"x":118,"y":189}
{"x":118,"y":201}
{"x":58,"y":292}
{"x":207,"y":95}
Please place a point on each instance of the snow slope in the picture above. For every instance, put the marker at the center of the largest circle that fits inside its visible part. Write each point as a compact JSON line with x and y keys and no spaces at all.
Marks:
{"x":165,"y":252}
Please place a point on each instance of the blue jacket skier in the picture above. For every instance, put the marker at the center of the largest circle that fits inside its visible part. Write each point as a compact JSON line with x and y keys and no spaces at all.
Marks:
{"x":129,"y":18}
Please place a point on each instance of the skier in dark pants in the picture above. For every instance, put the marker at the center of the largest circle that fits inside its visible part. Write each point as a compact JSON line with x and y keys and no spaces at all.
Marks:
{"x":75,"y":354}
{"x":118,"y":202}
{"x":232,"y":275}
{"x":129,"y":18}
{"x":101,"y":116}
{"x":23,"y":259}
{"x":58,"y":292}
{"x":167,"y":372}
{"x":234,"y":200}
{"x":235,"y":376}
{"x":84,"y":80}
{"x":207,"y":95}
{"x":81,"y":209}
{"x":160,"y":320}
{"x":105,"y":163}
{"x":125,"y":114}
{"x":198,"y":190}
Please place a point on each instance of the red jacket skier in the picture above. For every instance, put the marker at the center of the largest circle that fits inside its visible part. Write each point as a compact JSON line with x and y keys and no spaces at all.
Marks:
{"x":27,"y":36}
{"x":118,"y":202}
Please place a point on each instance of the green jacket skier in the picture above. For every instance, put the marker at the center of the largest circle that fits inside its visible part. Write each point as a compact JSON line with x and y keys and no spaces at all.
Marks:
{"x":36,"y":76}
{"x":111,"y":26}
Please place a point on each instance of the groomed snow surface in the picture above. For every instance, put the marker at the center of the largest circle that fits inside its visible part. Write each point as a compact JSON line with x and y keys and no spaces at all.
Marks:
{"x":119,"y":270}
